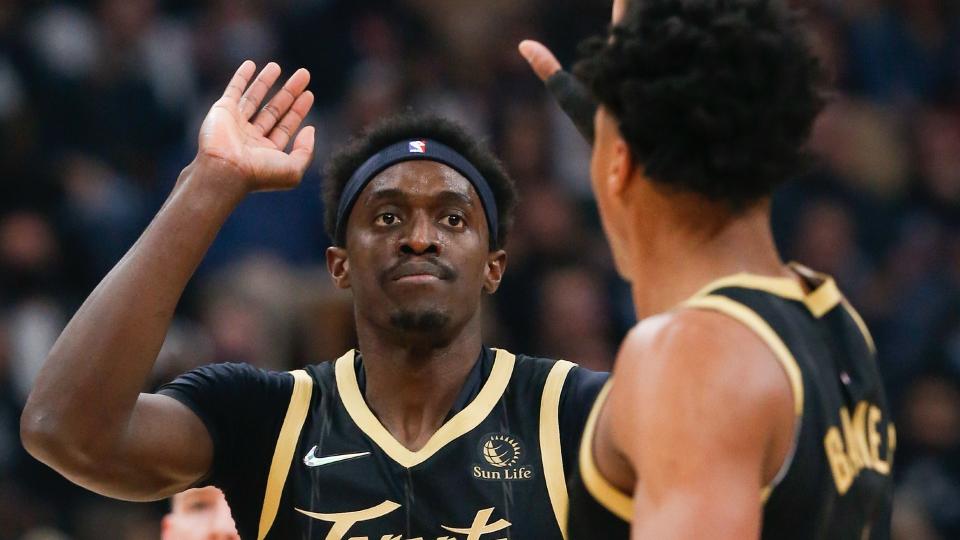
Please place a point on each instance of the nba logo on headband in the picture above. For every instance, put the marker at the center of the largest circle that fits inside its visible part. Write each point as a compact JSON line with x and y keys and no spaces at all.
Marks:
{"x":418,"y":147}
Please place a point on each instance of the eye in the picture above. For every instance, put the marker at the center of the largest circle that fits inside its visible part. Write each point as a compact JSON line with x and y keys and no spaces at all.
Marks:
{"x":199,"y":506}
{"x":454,"y":220}
{"x":386,"y":219}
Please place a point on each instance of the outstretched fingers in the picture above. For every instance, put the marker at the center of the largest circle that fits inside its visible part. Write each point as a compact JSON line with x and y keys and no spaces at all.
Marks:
{"x":240,"y":80}
{"x":279,"y":106}
{"x":290,"y":123}
{"x":258,"y":89}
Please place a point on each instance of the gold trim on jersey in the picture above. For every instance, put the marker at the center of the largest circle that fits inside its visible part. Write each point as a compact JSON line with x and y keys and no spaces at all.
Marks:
{"x":605,"y":493}
{"x":827,"y":296}
{"x":753,"y":321}
{"x":464,"y":421}
{"x":860,"y":324}
{"x":780,"y":286}
{"x":620,"y":503}
{"x":819,"y":301}
{"x":293,"y":421}
{"x":550,"y":451}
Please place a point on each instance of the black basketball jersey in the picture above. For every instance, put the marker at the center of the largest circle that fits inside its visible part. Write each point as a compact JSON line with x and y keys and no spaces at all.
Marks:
{"x":493,"y":471}
{"x":836,"y":481}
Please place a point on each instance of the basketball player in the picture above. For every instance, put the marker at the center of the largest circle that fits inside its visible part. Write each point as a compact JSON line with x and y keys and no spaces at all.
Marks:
{"x":199,"y":514}
{"x":423,"y":432}
{"x":746,"y":403}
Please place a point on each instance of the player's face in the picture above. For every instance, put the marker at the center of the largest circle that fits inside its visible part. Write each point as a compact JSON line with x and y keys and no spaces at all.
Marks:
{"x":417,"y":255}
{"x":199,"y":514}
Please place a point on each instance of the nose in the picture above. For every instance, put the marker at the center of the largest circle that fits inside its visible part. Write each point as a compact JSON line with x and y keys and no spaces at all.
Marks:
{"x":420,"y":237}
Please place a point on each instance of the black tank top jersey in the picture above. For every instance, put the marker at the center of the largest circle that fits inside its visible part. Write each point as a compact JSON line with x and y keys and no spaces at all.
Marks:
{"x":494,"y":470}
{"x":836,"y":482}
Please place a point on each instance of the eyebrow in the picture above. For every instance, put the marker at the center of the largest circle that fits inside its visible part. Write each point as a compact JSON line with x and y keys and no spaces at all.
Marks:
{"x":393,"y":193}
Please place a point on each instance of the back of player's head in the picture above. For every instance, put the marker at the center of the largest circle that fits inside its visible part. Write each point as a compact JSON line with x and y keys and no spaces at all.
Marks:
{"x":406,"y":126}
{"x":715,"y":97}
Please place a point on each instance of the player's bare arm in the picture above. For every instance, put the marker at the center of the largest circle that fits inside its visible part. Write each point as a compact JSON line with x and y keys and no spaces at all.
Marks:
{"x":86,"y":416}
{"x":703,"y":412}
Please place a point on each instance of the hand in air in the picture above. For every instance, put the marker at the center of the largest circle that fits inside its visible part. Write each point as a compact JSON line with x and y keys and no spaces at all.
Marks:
{"x":572,"y":96}
{"x":541,"y":60}
{"x":251,"y":140}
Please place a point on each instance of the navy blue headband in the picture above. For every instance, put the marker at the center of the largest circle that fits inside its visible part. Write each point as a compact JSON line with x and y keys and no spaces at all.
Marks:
{"x":408,"y":150}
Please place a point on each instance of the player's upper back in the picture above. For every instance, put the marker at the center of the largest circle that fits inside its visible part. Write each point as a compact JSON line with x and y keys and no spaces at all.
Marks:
{"x":835,"y":481}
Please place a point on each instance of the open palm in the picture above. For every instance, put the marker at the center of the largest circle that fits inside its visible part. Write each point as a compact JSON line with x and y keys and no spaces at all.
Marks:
{"x":252,"y":140}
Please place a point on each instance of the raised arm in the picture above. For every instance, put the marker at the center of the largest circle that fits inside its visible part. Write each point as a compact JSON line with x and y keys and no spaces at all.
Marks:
{"x":85,"y":416}
{"x":704,"y":413}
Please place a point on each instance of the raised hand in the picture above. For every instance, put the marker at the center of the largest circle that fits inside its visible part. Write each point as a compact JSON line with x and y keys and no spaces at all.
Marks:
{"x":570,"y":94}
{"x":251,"y":140}
{"x":541,"y":60}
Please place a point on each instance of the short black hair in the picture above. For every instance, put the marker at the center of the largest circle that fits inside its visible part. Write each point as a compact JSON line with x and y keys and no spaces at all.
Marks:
{"x":715,"y":97}
{"x":409,"y":125}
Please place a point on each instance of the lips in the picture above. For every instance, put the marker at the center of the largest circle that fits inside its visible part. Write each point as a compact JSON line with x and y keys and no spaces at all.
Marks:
{"x":423,"y":269}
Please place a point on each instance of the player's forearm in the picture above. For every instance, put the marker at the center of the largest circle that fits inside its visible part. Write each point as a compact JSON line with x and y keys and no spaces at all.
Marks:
{"x":86,"y":391}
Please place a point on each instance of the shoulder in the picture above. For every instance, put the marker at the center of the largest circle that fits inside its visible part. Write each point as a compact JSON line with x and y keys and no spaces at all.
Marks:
{"x":704,"y":367}
{"x":242,"y":408}
{"x":694,"y":344}
{"x":230,"y":376}
{"x":575,"y":379}
{"x":225,"y":390}
{"x":567,"y":389}
{"x":526,"y":362}
{"x":566,"y":371}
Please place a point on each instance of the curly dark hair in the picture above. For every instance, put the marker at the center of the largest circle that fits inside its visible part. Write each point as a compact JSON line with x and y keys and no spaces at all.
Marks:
{"x":715,"y":97}
{"x":408,"y":125}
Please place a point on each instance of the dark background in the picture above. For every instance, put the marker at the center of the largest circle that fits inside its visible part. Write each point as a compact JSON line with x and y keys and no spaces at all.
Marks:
{"x":99,"y":106}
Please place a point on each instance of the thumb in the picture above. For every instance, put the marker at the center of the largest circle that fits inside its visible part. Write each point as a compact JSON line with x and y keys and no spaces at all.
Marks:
{"x":543,"y":62}
{"x":302,"y":151}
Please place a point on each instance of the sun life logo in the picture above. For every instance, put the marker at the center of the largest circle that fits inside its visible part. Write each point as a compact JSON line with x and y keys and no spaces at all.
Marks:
{"x":501,"y":451}
{"x":503,"y":459}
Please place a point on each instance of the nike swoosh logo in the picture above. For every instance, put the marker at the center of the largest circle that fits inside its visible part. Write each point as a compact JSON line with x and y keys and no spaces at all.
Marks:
{"x":311,"y":459}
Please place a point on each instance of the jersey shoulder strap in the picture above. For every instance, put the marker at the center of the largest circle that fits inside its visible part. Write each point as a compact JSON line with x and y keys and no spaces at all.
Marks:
{"x":296,"y":415}
{"x":550,"y":449}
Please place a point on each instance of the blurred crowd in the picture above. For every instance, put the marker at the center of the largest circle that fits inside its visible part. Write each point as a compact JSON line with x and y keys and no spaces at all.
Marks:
{"x":100,"y":102}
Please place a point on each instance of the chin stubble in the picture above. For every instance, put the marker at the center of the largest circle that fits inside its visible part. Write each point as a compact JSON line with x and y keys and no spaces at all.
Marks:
{"x":423,"y":321}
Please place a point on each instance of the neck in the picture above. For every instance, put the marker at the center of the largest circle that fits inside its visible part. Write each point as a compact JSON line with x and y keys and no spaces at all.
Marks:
{"x":411,"y":384}
{"x":695,"y":244}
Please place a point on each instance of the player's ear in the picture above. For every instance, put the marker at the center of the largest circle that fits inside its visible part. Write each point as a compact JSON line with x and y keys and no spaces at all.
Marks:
{"x":339,"y":266}
{"x":496,"y":265}
{"x":622,"y":165}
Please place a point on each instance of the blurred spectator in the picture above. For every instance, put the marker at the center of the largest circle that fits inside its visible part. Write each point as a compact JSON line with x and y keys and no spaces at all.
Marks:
{"x":199,"y":514}
{"x":938,"y":148}
{"x":29,"y":271}
{"x":574,"y":301}
{"x":905,"y":52}
{"x":929,"y":451}
{"x":99,"y":106}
